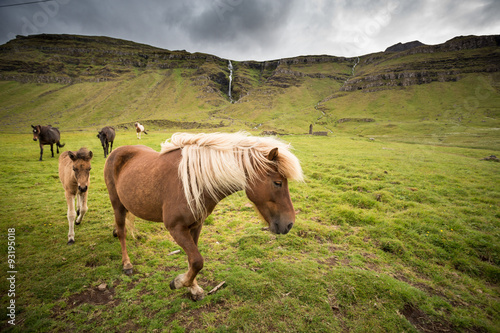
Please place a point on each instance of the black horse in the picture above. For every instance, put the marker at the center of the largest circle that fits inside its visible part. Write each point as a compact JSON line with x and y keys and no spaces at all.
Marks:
{"x":107,"y":136}
{"x":47,"y":135}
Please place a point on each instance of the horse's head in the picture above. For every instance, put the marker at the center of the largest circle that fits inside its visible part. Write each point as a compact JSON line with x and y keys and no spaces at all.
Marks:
{"x":36,"y":131}
{"x":269,"y":192}
{"x":81,"y":167}
{"x":102,"y":137}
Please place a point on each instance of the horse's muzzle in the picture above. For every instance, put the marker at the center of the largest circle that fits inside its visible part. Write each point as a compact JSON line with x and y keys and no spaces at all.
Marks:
{"x":277,"y":229}
{"x":82,"y":188}
{"x":34,"y":139}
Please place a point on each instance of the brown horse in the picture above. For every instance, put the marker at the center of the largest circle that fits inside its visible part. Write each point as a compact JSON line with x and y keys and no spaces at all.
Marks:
{"x":139,"y":129}
{"x":74,"y":172}
{"x":181,"y":185}
{"x":107,"y":136}
{"x":47,"y":135}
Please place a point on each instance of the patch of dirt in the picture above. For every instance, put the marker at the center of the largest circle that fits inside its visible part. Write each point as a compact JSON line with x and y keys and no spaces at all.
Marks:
{"x":93,"y":296}
{"x":423,"y":322}
{"x":332,"y":261}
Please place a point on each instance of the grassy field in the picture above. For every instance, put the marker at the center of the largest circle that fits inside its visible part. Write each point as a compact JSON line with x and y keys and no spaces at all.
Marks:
{"x":389,"y":236}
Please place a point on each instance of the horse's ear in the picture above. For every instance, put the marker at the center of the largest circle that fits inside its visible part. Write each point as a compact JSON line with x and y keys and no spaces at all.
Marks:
{"x":91,"y":154}
{"x":273,"y":154}
{"x":33,"y":126}
{"x":72,"y":155}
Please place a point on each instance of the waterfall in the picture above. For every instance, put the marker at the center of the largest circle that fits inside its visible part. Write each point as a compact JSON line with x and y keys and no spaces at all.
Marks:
{"x":357,"y":62}
{"x":230,"y":67}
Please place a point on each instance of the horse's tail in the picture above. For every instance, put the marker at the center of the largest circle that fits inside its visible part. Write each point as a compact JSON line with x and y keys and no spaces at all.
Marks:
{"x":60,"y":145}
{"x":145,"y":132}
{"x":129,"y":223}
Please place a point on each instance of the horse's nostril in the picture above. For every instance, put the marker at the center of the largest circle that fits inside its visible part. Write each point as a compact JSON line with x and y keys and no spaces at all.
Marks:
{"x":290,"y":226}
{"x":82,"y":188}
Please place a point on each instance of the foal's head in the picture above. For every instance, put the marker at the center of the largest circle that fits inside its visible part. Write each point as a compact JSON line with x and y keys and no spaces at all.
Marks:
{"x":81,"y":167}
{"x":269,"y":192}
{"x":36,"y":131}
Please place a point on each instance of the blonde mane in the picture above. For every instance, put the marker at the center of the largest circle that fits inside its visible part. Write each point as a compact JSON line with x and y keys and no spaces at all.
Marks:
{"x":219,"y":164}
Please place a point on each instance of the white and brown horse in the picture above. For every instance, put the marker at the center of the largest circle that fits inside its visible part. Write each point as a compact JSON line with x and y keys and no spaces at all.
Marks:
{"x":181,"y":185}
{"x":139,"y":129}
{"x":74,"y":172}
{"x":47,"y":135}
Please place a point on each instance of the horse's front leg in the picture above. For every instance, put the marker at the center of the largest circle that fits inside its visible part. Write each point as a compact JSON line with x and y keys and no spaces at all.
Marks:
{"x":187,"y":239}
{"x":41,"y":151}
{"x":70,"y":200}
{"x":81,"y":206}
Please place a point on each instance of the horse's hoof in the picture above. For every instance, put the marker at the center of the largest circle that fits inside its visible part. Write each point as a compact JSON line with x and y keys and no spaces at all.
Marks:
{"x":172,"y":284}
{"x":115,"y":234}
{"x":197,"y":297}
{"x":71,"y":242}
{"x":128,"y":271}
{"x":78,"y":223}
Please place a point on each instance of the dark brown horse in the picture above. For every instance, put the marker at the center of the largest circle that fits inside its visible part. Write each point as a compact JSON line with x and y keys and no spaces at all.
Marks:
{"x":107,"y":136}
{"x":181,"y":185}
{"x":47,"y":135}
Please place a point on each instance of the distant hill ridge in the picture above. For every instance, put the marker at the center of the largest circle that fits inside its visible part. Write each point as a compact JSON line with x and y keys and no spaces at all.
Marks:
{"x":123,"y":80}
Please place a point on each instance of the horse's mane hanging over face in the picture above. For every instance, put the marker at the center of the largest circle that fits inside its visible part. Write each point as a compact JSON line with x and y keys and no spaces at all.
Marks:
{"x":221,"y":163}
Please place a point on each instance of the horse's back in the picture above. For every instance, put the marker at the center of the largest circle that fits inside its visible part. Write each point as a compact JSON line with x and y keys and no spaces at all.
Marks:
{"x":110,"y":133}
{"x":51,"y":134}
{"x":122,"y":156}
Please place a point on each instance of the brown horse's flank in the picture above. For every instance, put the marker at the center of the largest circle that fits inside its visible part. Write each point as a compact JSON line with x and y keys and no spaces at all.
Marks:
{"x":147,"y":184}
{"x":47,"y":135}
{"x":74,"y":173}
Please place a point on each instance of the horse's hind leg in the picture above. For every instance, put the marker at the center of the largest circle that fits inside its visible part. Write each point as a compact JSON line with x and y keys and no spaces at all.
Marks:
{"x":52,"y":149}
{"x":187,"y":239}
{"x":70,"y":200}
{"x":81,"y":206}
{"x":121,"y":233}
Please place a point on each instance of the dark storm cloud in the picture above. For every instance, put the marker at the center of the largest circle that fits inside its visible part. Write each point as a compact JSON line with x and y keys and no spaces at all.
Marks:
{"x":258,"y":29}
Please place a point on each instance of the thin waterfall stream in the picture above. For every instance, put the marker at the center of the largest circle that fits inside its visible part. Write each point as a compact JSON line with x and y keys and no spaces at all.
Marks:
{"x":230,"y":67}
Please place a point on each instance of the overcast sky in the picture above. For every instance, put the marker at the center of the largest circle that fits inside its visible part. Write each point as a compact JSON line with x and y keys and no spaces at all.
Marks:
{"x":257,"y":29}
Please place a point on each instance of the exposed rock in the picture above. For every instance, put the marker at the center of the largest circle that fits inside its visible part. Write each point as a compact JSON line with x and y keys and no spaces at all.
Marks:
{"x":403,"y":47}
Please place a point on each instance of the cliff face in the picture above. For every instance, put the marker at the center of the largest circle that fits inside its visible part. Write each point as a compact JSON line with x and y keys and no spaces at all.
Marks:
{"x":68,"y":59}
{"x":420,"y":64}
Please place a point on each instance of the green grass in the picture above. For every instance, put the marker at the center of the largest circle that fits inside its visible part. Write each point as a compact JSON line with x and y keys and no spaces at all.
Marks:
{"x":389,"y":236}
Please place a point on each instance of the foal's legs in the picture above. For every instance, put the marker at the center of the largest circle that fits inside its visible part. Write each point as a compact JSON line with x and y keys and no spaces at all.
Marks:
{"x":70,"y":200}
{"x":81,"y":206}
{"x":188,"y":239}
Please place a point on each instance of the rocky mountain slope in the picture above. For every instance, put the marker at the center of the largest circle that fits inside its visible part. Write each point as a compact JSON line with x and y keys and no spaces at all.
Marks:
{"x":100,"y":80}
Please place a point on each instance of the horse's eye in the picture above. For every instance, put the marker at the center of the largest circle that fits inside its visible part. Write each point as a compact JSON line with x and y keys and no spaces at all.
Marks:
{"x":74,"y":169}
{"x":278,"y":183}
